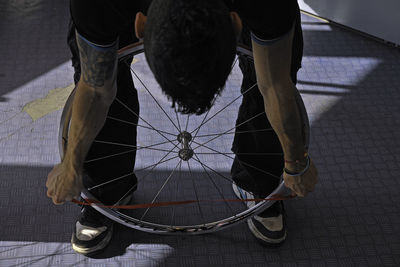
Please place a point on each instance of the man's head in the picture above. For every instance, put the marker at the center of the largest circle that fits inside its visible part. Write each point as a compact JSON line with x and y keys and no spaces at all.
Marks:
{"x":190,"y":46}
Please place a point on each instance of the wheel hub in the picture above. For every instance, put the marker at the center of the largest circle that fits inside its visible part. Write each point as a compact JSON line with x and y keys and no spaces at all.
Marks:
{"x":186,"y":152}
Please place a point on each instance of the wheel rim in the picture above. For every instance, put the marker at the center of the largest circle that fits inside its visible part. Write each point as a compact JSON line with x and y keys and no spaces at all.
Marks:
{"x":185,"y":144}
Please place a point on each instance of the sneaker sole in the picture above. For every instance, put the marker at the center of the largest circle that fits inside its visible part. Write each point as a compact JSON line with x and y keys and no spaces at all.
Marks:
{"x":263,"y":239}
{"x":105,"y":241}
{"x":91,"y":250}
{"x":260,"y":237}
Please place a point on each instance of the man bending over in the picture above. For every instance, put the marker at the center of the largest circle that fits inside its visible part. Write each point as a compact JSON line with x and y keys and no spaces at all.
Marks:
{"x":190,"y":47}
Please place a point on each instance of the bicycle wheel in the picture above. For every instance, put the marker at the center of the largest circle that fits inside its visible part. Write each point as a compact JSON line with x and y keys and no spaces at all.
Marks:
{"x":191,"y":158}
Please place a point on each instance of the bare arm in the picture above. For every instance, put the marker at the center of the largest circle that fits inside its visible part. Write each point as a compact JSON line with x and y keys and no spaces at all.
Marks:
{"x":95,"y":92}
{"x":94,"y":95}
{"x":272,"y":64}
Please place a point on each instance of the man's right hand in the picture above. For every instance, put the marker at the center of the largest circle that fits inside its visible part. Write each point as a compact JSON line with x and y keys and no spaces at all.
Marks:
{"x":64,"y":183}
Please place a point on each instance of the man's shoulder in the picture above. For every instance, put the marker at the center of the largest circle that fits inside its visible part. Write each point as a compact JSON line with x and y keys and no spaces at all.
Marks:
{"x":267,"y":19}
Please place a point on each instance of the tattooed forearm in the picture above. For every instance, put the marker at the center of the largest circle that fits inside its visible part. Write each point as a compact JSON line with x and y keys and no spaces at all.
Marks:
{"x":97,"y":64}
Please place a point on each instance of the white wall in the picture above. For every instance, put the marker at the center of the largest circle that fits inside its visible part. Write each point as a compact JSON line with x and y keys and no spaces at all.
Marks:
{"x":380,"y":18}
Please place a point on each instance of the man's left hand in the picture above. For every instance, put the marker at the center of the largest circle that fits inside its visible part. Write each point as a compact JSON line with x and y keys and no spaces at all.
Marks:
{"x":303,"y":184}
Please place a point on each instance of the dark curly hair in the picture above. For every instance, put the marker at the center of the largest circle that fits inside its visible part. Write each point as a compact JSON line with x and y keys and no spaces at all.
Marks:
{"x":190,"y":46}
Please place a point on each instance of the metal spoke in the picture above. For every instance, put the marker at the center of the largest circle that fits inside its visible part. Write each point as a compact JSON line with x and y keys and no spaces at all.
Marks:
{"x":237,"y":132}
{"x":162,"y":187}
{"x":177,"y":119}
{"x":242,"y":162}
{"x":212,"y":104}
{"x":187,"y":122}
{"x":195,"y":192}
{"x":234,"y":63}
{"x":155,"y":164}
{"x":157,"y":144}
{"x":126,"y":194}
{"x":214,"y":171}
{"x":240,"y":154}
{"x":203,"y":121}
{"x":158,"y":104}
{"x":218,"y":189}
{"x":138,"y":125}
{"x":144,"y":177}
{"x":204,"y":118}
{"x":137,"y":147}
{"x":134,"y":113}
{"x":110,"y":181}
{"x":230,"y":103}
{"x":110,"y":156}
{"x":125,"y":175}
{"x":246,"y":121}
{"x":176,"y":191}
{"x":125,"y":152}
{"x":158,"y":163}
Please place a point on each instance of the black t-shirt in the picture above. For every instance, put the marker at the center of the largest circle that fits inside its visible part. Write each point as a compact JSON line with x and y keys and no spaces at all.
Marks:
{"x":267,"y":19}
{"x":100,"y":21}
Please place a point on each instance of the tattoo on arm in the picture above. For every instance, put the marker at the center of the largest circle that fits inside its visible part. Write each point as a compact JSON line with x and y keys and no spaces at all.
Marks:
{"x":97,"y":64}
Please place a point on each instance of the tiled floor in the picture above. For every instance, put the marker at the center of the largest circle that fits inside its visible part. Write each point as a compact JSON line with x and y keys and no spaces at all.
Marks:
{"x":351,"y":88}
